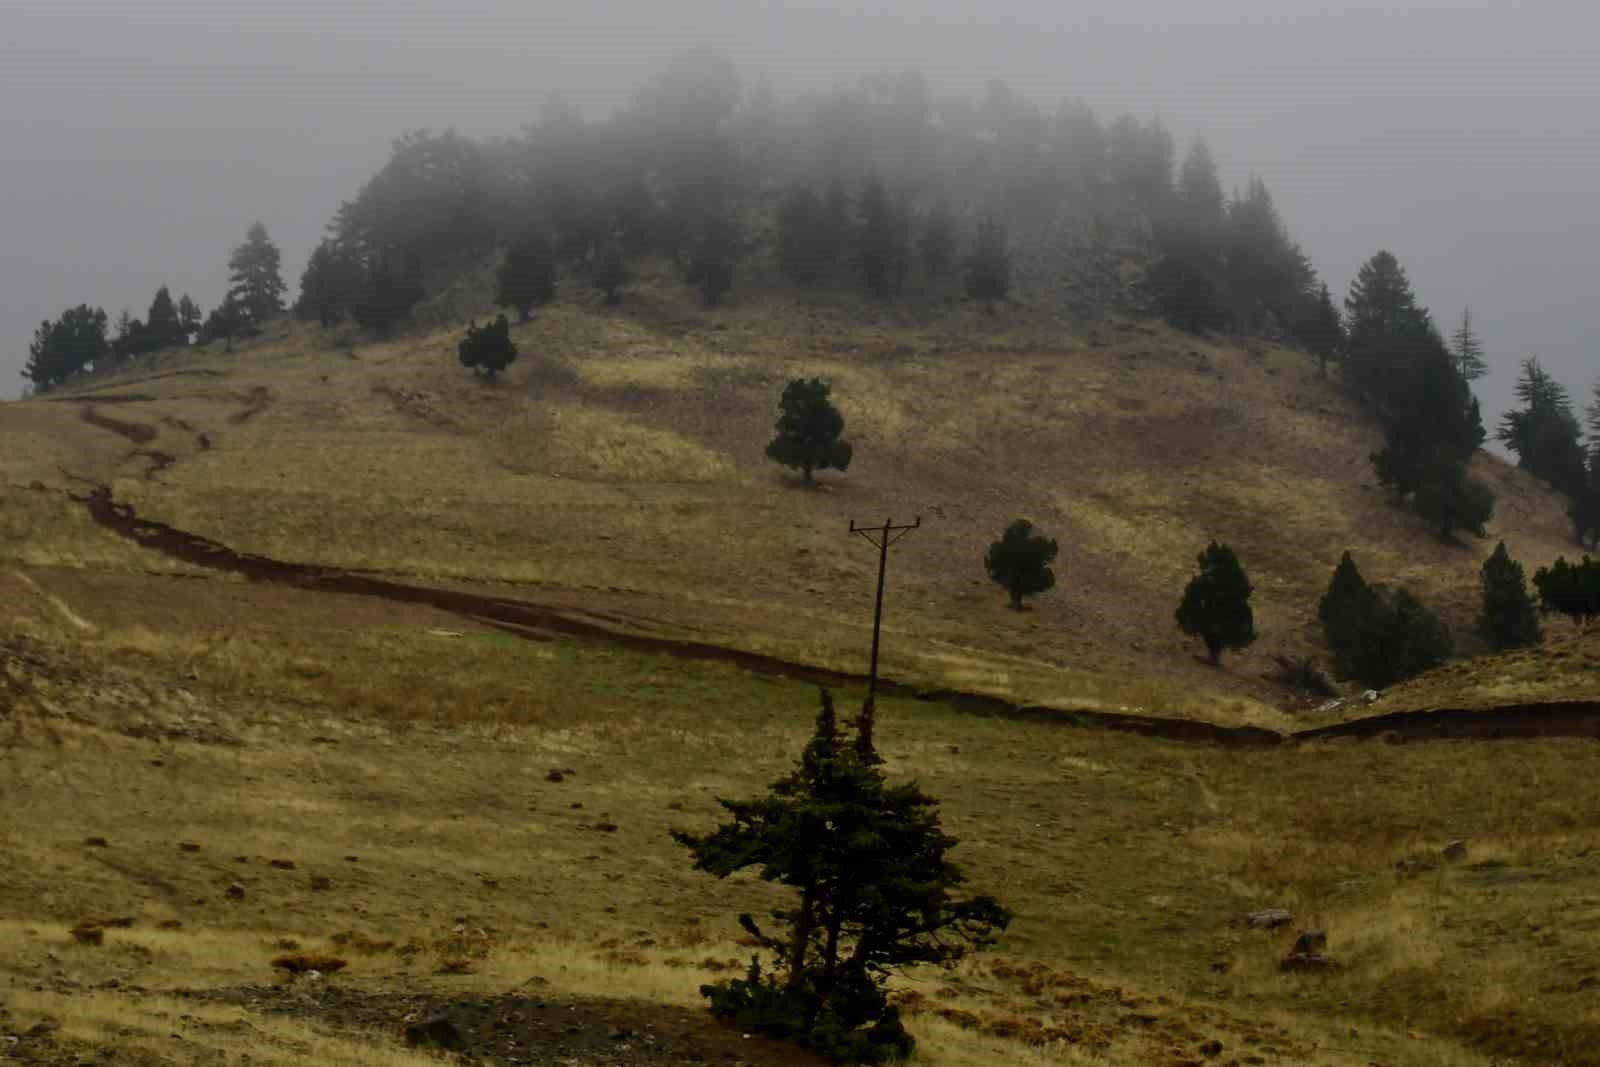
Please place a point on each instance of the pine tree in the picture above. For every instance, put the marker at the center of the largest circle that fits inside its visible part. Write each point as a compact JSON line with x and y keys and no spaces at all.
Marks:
{"x":1570,"y":589}
{"x":1216,"y":603}
{"x":1453,"y":500}
{"x":937,"y":245}
{"x":805,"y":248}
{"x":386,"y":297}
{"x":1201,"y":220}
{"x":68,"y":346}
{"x":1020,"y":562}
{"x":162,"y":326}
{"x":527,"y":275}
{"x":1509,"y":617}
{"x":1378,"y":637}
{"x":1346,"y":611}
{"x":254,"y":282}
{"x":611,"y":273}
{"x":190,"y":318}
{"x":989,"y":266}
{"x":1322,"y":331}
{"x":1546,"y":434}
{"x":330,"y":286}
{"x":808,"y":430}
{"x":487,"y":350}
{"x":881,"y":254}
{"x":1381,"y":318}
{"x":131,"y":338}
{"x":226,"y":321}
{"x":715,"y":257}
{"x":1467,"y":350}
{"x":874,"y":894}
{"x":1186,"y":295}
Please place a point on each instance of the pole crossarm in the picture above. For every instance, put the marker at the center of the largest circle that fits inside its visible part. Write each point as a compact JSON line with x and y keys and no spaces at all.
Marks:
{"x":881,"y":537}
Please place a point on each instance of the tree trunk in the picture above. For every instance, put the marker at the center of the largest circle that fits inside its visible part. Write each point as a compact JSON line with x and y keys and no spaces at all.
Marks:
{"x":806,"y":470}
{"x":799,"y":943}
{"x":1215,"y":650}
{"x":1016,"y":600}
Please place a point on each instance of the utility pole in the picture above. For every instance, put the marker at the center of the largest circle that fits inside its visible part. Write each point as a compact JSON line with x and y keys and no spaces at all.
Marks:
{"x":881,"y":538}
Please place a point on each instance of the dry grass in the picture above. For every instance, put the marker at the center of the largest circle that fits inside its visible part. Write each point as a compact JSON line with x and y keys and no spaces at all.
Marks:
{"x":261,"y":723}
{"x":621,"y":458}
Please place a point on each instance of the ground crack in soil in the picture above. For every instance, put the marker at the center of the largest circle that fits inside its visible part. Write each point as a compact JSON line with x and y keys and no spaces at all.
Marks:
{"x":537,"y":621}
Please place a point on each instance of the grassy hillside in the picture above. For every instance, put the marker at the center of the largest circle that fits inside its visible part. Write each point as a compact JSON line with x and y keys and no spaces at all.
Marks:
{"x":620,"y":464}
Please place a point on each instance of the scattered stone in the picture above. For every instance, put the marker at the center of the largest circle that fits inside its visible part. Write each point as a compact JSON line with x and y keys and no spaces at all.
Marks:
{"x":1211,"y":1048}
{"x":1310,"y":952}
{"x":88,"y":933}
{"x":435,"y":1032}
{"x":321,"y":883}
{"x":555,"y":776}
{"x":1371,"y":696}
{"x":606,"y":827}
{"x":1269,"y":918}
{"x":96,"y":842}
{"x":1329,"y":706}
{"x":189,"y":846}
{"x":235,"y":891}
{"x":282,"y":865}
{"x":309,"y":963}
{"x":1455,"y":851}
{"x":170,"y":924}
{"x":352,"y":859}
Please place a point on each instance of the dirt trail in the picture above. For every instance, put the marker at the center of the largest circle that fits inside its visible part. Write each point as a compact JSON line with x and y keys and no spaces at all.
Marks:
{"x":137,"y":432}
{"x":536,"y":621}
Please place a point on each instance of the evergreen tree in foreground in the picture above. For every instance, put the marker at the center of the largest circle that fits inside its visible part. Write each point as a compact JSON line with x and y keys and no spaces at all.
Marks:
{"x":487,"y":350}
{"x":527,"y":275}
{"x":874,"y":894}
{"x":1509,"y":618}
{"x":1378,"y":638}
{"x":808,"y":430}
{"x":1020,"y":562}
{"x":989,"y":266}
{"x":254,"y":282}
{"x":1216,"y":603}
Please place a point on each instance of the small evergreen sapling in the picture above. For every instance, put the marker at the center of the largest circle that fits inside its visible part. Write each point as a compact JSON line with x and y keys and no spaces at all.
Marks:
{"x":1216,"y":603}
{"x":808,"y":430}
{"x":488,"y":350}
{"x":1509,"y":617}
{"x":1020,"y":562}
{"x":874,"y":894}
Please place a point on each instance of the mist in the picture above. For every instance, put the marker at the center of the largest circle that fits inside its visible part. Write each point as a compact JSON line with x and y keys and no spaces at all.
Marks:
{"x":141,"y":141}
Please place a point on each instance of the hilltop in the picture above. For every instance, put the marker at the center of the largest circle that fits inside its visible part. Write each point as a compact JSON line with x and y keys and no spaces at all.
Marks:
{"x":617,"y":469}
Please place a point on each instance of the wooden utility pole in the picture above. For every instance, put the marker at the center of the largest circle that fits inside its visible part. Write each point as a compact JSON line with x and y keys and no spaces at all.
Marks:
{"x":881,"y":537}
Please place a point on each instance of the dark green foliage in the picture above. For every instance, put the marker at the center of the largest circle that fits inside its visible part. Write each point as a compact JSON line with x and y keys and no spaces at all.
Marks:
{"x":1020,"y":562}
{"x":1584,"y":511}
{"x":1321,"y":330}
{"x":254,"y":283}
{"x":226,"y":321}
{"x":1570,"y":589}
{"x":1200,"y":210}
{"x":67,"y":346}
{"x":1453,"y":500}
{"x":190,"y":318}
{"x":989,"y":266}
{"x":386,"y":297}
{"x":1508,"y":618}
{"x":487,"y":350}
{"x":432,"y":200}
{"x":611,"y":273}
{"x":330,"y":286}
{"x":1468,"y":351}
{"x":1377,"y":637}
{"x":882,"y":253}
{"x":938,"y":241}
{"x":1381,"y":316}
{"x":714,"y":258}
{"x":808,"y":430}
{"x":875,"y":894}
{"x":131,"y":338}
{"x":1186,"y":295}
{"x":162,"y":327}
{"x":1265,"y":273}
{"x":1545,"y":433}
{"x":527,"y":275}
{"x":1216,"y":603}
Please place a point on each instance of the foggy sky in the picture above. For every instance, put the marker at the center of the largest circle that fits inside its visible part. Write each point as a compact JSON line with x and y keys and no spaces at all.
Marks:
{"x":138,"y":141}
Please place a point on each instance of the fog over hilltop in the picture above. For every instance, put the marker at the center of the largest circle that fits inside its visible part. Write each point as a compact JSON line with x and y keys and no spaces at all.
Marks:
{"x":141,"y":140}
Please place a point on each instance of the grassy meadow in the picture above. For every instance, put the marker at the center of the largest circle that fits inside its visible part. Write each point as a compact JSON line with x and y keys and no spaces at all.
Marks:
{"x":459,"y":811}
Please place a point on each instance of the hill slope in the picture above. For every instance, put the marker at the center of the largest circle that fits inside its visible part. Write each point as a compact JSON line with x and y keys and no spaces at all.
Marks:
{"x":619,"y":464}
